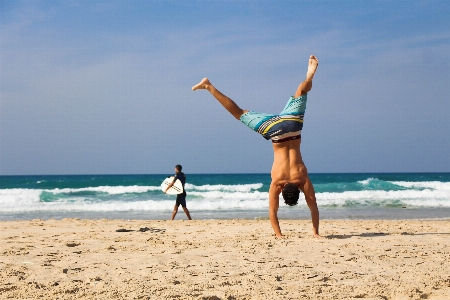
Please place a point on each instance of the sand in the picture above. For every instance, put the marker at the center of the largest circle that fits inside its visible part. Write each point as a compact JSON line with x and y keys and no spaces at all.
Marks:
{"x":224,"y":259}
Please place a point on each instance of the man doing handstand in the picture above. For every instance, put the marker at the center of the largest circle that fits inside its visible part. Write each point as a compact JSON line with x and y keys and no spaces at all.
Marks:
{"x":288,"y":173}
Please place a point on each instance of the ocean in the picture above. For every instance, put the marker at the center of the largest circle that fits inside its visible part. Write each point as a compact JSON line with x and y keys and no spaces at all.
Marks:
{"x":223,"y":196}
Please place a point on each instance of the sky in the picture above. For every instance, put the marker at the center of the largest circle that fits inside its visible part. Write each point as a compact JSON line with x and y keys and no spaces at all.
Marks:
{"x":104,"y":87}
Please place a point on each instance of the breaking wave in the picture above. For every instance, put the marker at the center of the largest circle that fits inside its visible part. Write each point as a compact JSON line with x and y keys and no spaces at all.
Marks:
{"x":370,"y":192}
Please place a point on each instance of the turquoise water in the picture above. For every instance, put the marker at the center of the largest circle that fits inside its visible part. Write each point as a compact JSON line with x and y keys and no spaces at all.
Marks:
{"x":216,"y":196}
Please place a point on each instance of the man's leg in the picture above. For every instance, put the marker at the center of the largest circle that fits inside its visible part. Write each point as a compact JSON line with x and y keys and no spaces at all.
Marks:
{"x":174,"y":213}
{"x":310,"y":196}
{"x":186,"y":211}
{"x":229,"y":104}
{"x":306,"y":85}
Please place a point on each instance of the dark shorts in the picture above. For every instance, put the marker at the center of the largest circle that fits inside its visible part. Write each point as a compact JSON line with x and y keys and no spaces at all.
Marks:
{"x":181,"y":200}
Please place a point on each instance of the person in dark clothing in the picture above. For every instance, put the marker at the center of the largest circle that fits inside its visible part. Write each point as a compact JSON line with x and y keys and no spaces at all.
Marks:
{"x":181,"y":198}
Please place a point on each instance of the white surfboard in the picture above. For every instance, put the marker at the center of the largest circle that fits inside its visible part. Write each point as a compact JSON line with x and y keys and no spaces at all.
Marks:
{"x":177,"y":187}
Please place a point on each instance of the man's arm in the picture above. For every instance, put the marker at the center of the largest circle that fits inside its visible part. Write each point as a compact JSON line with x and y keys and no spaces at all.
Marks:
{"x":170,"y":185}
{"x":274,"y":203}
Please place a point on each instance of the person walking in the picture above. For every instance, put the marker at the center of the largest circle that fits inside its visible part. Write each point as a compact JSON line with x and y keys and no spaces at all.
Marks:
{"x":181,"y":198}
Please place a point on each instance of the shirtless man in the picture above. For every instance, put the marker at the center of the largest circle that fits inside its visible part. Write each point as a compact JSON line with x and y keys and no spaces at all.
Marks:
{"x":288,"y":173}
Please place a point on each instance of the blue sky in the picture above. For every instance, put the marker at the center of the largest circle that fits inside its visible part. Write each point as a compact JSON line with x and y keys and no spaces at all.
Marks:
{"x":104,"y":87}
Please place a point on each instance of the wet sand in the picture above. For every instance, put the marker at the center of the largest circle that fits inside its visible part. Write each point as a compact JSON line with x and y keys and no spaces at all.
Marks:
{"x":224,"y":259}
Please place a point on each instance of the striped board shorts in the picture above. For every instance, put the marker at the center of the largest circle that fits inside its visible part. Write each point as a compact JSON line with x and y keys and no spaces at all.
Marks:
{"x":279,"y":128}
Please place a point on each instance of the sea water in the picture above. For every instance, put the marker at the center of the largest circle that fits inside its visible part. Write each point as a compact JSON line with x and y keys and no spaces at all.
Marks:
{"x":223,"y":196}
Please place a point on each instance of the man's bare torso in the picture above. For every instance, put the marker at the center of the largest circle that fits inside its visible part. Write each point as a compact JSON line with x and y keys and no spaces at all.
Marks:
{"x":288,"y":164}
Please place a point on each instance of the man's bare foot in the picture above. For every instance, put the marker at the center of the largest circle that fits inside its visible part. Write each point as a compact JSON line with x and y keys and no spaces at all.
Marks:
{"x":312,"y":67}
{"x":318,"y":236}
{"x":202,"y":85}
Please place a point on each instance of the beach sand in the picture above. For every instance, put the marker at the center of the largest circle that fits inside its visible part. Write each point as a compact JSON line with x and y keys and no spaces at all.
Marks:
{"x":224,"y":259}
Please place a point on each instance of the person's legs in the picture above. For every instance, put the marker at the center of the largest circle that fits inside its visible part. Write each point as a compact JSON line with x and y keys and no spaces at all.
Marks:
{"x":174,"y":213}
{"x":306,"y":85}
{"x":186,"y":211}
{"x":229,"y":104}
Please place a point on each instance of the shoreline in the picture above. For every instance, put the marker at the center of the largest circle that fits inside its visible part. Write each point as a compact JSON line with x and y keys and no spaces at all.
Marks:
{"x":224,"y":259}
{"x":286,"y":213}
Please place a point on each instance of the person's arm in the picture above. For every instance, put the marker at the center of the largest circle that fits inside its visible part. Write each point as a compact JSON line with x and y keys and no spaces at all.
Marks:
{"x":274,"y":203}
{"x":170,"y":185}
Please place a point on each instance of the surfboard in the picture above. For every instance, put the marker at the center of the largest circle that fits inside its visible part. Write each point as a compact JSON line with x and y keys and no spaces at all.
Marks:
{"x":176,"y":189}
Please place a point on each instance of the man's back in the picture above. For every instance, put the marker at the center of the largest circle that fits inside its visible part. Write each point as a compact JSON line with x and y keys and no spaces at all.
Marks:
{"x":288,"y":164}
{"x":288,"y":167}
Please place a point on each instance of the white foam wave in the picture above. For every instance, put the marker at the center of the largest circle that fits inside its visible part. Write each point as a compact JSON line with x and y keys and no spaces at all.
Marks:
{"x":213,"y":197}
{"x":232,"y":196}
{"x":112,"y":190}
{"x":426,"y":197}
{"x":20,"y":200}
{"x":222,"y":187}
{"x":134,"y":189}
{"x":434,"y":185}
{"x":149,"y":205}
{"x":18,"y":197}
{"x":367,"y":181}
